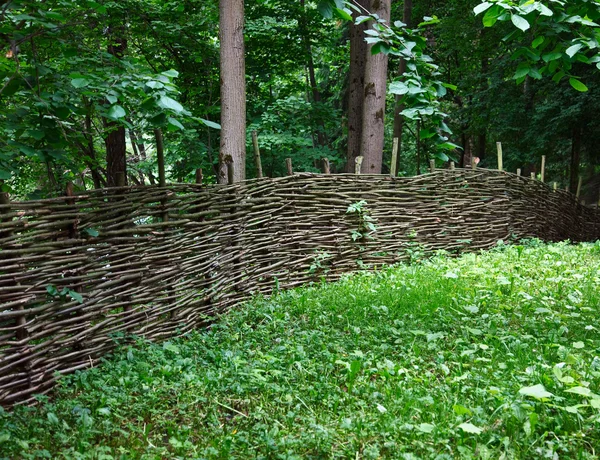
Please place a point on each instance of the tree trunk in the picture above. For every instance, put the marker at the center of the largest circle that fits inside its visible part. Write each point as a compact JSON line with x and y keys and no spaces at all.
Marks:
{"x":116,"y":149}
{"x":374,"y":106}
{"x":233,"y":90}
{"x":316,"y":95}
{"x":358,"y":55}
{"x":575,"y":159}
{"x":399,"y":119}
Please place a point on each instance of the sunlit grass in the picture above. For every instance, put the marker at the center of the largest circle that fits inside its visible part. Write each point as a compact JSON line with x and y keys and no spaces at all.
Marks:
{"x":492,"y":355}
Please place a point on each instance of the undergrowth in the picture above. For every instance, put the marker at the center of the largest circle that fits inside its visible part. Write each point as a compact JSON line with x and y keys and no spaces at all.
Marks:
{"x":491,"y":355}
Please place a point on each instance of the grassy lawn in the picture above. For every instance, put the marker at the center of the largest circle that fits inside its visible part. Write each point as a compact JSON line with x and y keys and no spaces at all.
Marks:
{"x":492,"y":355}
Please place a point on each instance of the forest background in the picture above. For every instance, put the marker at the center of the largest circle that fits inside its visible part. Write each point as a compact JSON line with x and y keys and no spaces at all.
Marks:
{"x":96,"y":93}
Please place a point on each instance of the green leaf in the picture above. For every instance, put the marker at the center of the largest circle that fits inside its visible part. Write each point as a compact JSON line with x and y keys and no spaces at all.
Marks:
{"x":325,"y":8}
{"x":551,"y":56}
{"x":111,"y":99}
{"x":342,"y":14}
{"x":154,"y":84}
{"x":581,"y":391}
{"x":520,"y":22}
{"x":210,"y":124}
{"x":537,"y":42}
{"x":470,"y":428}
{"x":461,"y":410}
{"x":491,"y":16}
{"x":481,"y":8}
{"x":175,"y":124}
{"x":80,"y":82}
{"x":4,"y":174}
{"x":75,"y":296}
{"x":92,"y":232}
{"x":116,"y":112}
{"x":536,"y":391}
{"x":170,"y":73}
{"x":171,"y":104}
{"x":522,"y":71}
{"x":578,"y":85}
{"x":425,"y":427}
{"x":573,"y":50}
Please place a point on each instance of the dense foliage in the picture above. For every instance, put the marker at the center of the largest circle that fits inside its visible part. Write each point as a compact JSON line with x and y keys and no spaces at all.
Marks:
{"x":491,"y":355}
{"x":75,"y":73}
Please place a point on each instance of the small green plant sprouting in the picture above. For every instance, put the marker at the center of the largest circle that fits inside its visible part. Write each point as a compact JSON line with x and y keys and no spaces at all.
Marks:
{"x":366,"y":223}
{"x":53,"y":292}
{"x":319,"y":262}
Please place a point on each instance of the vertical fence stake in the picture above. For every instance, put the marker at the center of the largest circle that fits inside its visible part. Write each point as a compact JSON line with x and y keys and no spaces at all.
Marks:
{"x":518,"y":171}
{"x":358,"y":165}
{"x":543,"y":172}
{"x":578,"y":194}
{"x":230,"y":170}
{"x":394,"y":164}
{"x":199,"y":176}
{"x":288,"y":165}
{"x":259,"y":171}
{"x":555,"y":186}
{"x":473,"y":163}
{"x":326,"y":166}
{"x":160,"y":157}
{"x":532,"y":175}
{"x":452,"y":166}
{"x":500,"y":164}
{"x":432,"y":166}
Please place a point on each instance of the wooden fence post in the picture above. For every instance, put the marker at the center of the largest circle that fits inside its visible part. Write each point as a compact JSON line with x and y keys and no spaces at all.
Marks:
{"x":288,"y":165}
{"x":555,"y":186}
{"x":452,"y":166}
{"x":431,"y":166}
{"x":518,"y":171}
{"x":578,"y":194}
{"x":500,"y":163}
{"x":230,"y":170}
{"x":543,"y":171}
{"x":533,"y":175}
{"x":160,"y":157}
{"x":394,"y":164}
{"x":257,"y":161}
{"x":358,"y":165}
{"x":326,"y":166}
{"x":473,"y":163}
{"x":199,"y":176}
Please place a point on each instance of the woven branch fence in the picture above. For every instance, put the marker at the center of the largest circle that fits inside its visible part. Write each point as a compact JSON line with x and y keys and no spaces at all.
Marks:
{"x":157,"y":262}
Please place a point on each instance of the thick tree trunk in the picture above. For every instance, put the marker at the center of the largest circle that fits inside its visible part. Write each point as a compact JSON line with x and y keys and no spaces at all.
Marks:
{"x":233,"y":90}
{"x":575,"y":159}
{"x":399,"y":119}
{"x":358,"y":55}
{"x":374,"y":106}
{"x":116,"y":150}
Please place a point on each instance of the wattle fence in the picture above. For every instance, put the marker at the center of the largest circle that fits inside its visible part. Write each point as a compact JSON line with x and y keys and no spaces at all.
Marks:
{"x":78,"y":272}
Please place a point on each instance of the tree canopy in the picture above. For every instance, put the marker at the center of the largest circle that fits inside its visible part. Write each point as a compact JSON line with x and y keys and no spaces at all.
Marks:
{"x":80,"y":80}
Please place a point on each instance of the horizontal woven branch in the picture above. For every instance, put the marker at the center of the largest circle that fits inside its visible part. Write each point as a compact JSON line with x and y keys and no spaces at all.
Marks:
{"x":158,"y":262}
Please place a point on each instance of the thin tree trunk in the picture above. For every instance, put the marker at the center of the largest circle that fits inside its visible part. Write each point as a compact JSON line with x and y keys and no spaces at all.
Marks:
{"x":358,"y":55}
{"x":97,"y":178}
{"x":575,"y":159}
{"x":233,"y":90}
{"x":374,"y":106}
{"x":399,"y":119}
{"x":116,"y":150}
{"x":316,"y":95}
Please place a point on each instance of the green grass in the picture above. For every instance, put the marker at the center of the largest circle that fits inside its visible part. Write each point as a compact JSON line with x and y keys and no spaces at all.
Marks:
{"x":492,"y":355}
